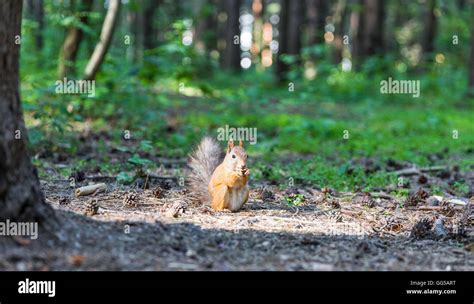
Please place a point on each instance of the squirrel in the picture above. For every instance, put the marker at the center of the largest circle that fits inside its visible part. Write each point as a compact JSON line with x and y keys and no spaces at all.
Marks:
{"x":220,"y":183}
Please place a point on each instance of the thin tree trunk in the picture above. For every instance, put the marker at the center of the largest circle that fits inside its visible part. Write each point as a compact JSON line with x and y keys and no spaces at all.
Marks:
{"x":316,"y":15}
{"x":369,"y":25}
{"x":290,"y":34}
{"x":338,"y":19}
{"x":135,"y":24}
{"x":72,"y":42}
{"x":149,"y":31}
{"x":281,"y":68}
{"x":257,"y":37}
{"x":231,"y":59}
{"x":296,"y":11}
{"x":471,"y":65}
{"x":35,"y":11}
{"x":430,"y":28}
{"x":205,"y":36}
{"x":105,"y":39}
{"x":356,"y":24}
{"x":374,"y":14}
{"x":20,"y":194}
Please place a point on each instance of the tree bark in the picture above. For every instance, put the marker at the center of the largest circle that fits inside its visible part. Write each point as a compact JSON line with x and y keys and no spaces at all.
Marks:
{"x":231,"y":58}
{"x":72,"y":42}
{"x":106,"y":34}
{"x":35,"y":11}
{"x":20,"y":194}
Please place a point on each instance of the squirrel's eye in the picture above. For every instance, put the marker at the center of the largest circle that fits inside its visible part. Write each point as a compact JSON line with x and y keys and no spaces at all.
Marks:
{"x":233,"y":155}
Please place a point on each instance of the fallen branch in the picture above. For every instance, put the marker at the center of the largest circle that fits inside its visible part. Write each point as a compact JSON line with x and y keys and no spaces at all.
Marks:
{"x":150,"y":178}
{"x":418,"y":171}
{"x":91,"y":189}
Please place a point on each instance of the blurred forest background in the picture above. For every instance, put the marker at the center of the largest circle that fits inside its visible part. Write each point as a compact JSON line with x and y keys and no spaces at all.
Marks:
{"x":306,"y":74}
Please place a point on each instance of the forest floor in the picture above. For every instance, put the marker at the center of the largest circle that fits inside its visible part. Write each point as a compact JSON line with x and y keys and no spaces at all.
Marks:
{"x":160,"y":228}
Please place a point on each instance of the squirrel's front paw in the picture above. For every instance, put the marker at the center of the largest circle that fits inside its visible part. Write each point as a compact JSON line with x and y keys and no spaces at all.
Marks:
{"x":246,"y":172}
{"x":237,"y":175}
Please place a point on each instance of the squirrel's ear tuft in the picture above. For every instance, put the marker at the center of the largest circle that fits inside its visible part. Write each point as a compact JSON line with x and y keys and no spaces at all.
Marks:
{"x":241,"y":143}
{"x":230,"y":145}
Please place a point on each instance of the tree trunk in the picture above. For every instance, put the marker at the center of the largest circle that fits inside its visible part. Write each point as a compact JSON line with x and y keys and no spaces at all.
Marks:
{"x":356,"y":35}
{"x":231,"y":58}
{"x":205,"y":32}
{"x":290,"y":34}
{"x":257,"y":36}
{"x":135,"y":24}
{"x":374,"y":15}
{"x":35,"y":11}
{"x":296,"y":12}
{"x":72,"y":42}
{"x":430,"y":28}
{"x":20,"y":194}
{"x":338,"y":19}
{"x":316,"y":15}
{"x":106,"y":34}
{"x":149,"y":30}
{"x":370,"y":27}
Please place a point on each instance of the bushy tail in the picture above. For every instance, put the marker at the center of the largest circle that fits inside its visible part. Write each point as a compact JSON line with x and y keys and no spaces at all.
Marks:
{"x":203,"y":161}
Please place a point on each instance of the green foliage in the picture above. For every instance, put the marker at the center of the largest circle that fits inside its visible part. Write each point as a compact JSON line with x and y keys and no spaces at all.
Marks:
{"x":295,"y":200}
{"x":176,"y":94}
{"x":125,"y":178}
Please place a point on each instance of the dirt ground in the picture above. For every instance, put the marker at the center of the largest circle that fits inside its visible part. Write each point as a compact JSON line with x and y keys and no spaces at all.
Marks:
{"x":162,"y":229}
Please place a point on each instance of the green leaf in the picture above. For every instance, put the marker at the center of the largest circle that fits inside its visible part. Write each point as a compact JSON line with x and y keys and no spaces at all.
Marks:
{"x":124,"y":178}
{"x":137,"y":160}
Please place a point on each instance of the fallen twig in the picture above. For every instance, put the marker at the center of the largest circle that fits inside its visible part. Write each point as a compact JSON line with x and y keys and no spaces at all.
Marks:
{"x":383,"y":195}
{"x":435,"y":208}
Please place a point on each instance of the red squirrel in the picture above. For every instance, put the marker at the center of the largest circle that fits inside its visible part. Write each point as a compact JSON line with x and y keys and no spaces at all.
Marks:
{"x":220,"y":183}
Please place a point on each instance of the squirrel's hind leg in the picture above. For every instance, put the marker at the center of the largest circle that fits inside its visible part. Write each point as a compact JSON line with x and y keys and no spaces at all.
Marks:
{"x":220,"y":197}
{"x":238,"y":199}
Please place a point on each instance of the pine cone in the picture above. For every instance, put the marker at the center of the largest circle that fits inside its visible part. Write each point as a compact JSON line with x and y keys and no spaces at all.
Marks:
{"x":130,"y":199}
{"x":447,"y":209}
{"x":92,"y":207}
{"x":422,"y":179}
{"x":332,"y":202}
{"x":415,"y":198}
{"x":335,"y":215}
{"x":264,"y":194}
{"x":177,"y":209}
{"x":327,"y":191}
{"x":366,"y":199}
{"x":64,"y":200}
{"x":158,"y":192}
{"x":422,"y":194}
{"x":422,"y":228}
{"x":267,"y":195}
